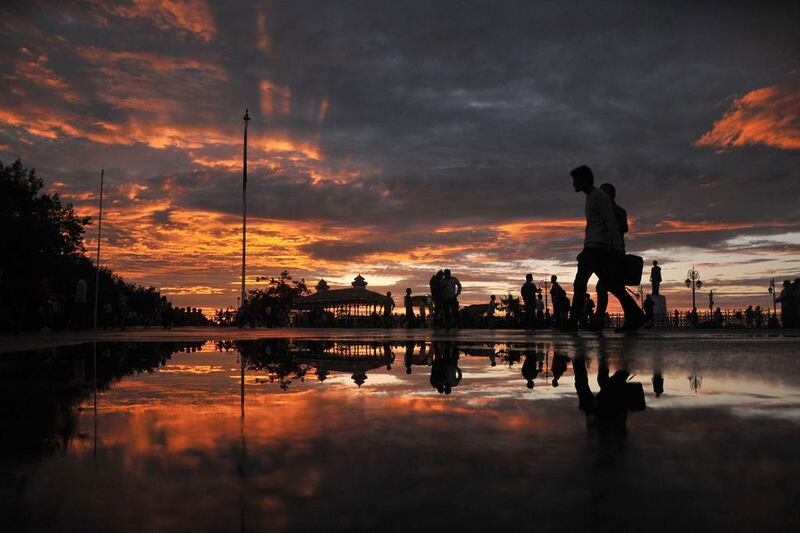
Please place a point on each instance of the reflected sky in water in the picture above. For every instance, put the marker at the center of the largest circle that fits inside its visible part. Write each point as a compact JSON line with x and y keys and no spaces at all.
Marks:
{"x":321,"y":435}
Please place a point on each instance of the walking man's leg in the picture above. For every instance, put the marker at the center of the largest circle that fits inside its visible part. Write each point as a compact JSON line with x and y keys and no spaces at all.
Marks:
{"x":585,"y":271}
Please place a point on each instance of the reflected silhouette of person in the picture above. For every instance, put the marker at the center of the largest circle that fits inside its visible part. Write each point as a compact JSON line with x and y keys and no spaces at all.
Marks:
{"x":388,"y":355}
{"x":408,"y":360}
{"x":531,"y":368}
{"x":609,"y":407}
{"x":658,"y":383}
{"x":558,"y":367}
{"x":359,"y":377}
{"x":445,"y":373}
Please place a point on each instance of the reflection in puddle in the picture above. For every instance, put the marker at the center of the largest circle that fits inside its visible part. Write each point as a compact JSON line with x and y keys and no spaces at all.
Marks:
{"x":287,"y":434}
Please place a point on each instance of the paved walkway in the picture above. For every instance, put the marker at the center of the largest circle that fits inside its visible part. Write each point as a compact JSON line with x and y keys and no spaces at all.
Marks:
{"x":38,"y":340}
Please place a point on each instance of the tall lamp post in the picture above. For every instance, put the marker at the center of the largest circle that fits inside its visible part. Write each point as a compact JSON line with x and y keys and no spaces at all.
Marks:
{"x":246,"y":119}
{"x":97,"y":265}
{"x":772,"y":292}
{"x":693,"y":282}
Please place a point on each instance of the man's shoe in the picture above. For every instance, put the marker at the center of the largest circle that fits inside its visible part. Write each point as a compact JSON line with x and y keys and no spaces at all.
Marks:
{"x":595,"y":328}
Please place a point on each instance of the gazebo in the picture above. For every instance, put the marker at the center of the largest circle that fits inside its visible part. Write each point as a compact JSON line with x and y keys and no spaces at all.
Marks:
{"x":351,"y":305}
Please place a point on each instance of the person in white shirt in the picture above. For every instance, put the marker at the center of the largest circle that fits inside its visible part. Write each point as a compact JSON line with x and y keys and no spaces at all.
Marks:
{"x":603,"y":253}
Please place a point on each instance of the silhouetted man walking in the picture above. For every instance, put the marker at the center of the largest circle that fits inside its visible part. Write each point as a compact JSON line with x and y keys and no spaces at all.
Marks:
{"x":603,"y":253}
{"x":621,"y":216}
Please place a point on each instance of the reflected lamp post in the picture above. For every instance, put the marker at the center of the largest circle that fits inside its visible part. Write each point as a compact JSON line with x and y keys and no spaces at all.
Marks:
{"x":693,"y":282}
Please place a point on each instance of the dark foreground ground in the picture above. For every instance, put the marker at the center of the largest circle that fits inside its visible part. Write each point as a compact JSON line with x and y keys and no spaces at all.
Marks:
{"x":343,"y":430}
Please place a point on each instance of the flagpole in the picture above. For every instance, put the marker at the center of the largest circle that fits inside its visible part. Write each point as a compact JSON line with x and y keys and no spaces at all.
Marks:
{"x":97,"y":265}
{"x":246,"y":119}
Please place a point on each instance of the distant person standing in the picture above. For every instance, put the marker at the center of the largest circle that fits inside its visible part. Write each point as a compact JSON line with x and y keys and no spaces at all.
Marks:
{"x":408,"y":303}
{"x":452,"y":290}
{"x":490,"y":310}
{"x":655,"y":277}
{"x":758,"y":316}
{"x":80,"y":304}
{"x":788,"y":304}
{"x":560,"y":301}
{"x":528,"y":293}
{"x":603,"y":253}
{"x":388,"y":307}
{"x":748,"y":316}
{"x":437,"y":295}
{"x":588,"y":310}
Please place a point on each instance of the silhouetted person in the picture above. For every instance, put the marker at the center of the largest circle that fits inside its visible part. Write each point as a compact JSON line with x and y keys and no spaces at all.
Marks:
{"x":603,"y":253}
{"x":560,"y":301}
{"x":531,"y":368}
{"x":437,"y":294}
{"x":528,"y":293}
{"x":388,"y":306}
{"x":408,"y":360}
{"x":621,"y":217}
{"x":655,"y":277}
{"x":788,"y":301}
{"x":558,"y":367}
{"x":658,"y":383}
{"x":445,"y":373}
{"x":758,"y":316}
{"x":388,"y":355}
{"x":588,"y":310}
{"x":609,"y":408}
{"x":409,"y":305}
{"x":452,"y":290}
{"x":748,"y":316}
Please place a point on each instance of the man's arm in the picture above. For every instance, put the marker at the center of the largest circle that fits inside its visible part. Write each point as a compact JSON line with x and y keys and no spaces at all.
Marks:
{"x":458,"y":287}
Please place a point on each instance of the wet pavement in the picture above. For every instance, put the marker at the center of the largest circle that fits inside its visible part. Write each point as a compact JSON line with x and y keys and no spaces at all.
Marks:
{"x":363,"y":432}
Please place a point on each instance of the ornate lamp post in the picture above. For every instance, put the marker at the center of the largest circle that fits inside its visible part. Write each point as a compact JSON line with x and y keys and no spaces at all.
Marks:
{"x":693,"y":282}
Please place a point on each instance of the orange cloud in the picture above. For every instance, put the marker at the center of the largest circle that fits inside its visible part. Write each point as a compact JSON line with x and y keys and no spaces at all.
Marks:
{"x":678,"y":226}
{"x":155,"y":62}
{"x":770,"y":116}
{"x":188,"y":16}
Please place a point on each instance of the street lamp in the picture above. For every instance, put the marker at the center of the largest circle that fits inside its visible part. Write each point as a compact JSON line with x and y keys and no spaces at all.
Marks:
{"x":693,"y":282}
{"x":772,"y":292}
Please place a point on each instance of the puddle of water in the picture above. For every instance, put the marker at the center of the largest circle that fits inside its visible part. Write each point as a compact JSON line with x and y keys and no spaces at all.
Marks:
{"x":286,"y":434}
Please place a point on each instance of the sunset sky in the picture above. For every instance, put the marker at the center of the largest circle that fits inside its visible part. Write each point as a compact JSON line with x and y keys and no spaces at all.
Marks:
{"x":395,"y":138}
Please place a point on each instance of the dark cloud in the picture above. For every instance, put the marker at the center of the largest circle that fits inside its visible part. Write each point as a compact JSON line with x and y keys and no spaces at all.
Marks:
{"x":398,"y":118}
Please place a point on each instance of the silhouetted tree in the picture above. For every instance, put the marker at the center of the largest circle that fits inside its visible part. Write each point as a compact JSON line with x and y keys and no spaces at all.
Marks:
{"x":42,"y":258}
